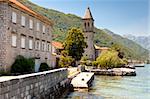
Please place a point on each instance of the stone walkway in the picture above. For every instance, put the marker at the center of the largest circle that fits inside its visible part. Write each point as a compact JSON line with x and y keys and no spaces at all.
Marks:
{"x":73,"y":71}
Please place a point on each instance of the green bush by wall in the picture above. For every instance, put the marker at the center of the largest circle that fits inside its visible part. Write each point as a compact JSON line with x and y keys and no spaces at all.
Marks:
{"x":23,"y":65}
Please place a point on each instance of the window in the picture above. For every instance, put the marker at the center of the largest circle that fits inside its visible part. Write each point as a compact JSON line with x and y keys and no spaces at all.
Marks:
{"x":44,"y":31}
{"x":14,"y":40}
{"x":23,"y":20}
{"x":23,"y":41}
{"x":30,"y":43}
{"x":88,"y":24}
{"x":43,"y":46}
{"x":31,"y":24}
{"x":37,"y":45}
{"x":48,"y":46}
{"x":14,"y":17}
{"x":85,"y":25}
{"x":38,"y":26}
{"x":92,"y":24}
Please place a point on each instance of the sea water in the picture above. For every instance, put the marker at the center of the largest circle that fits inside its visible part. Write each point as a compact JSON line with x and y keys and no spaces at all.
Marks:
{"x":118,"y":87}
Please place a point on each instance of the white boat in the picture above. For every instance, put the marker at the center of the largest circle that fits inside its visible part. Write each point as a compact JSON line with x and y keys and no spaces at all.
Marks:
{"x":139,"y":65}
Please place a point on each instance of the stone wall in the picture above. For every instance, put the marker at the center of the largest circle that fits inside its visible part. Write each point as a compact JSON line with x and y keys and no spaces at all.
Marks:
{"x":8,"y":52}
{"x":3,"y":35}
{"x":43,"y":85}
{"x":88,"y":30}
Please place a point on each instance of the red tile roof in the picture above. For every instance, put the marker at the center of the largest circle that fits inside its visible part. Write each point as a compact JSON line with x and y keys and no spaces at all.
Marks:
{"x":23,"y":7}
{"x":57,"y":44}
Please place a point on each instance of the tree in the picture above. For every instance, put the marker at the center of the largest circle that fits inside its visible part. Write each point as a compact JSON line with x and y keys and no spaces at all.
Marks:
{"x":119,"y":49}
{"x":75,"y":43}
{"x":109,"y":59}
{"x":65,"y":60}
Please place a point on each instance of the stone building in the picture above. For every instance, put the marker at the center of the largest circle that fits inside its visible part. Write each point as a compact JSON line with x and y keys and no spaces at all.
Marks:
{"x":88,"y":30}
{"x":92,"y":51}
{"x":23,"y":32}
{"x":57,"y":47}
{"x":99,"y":50}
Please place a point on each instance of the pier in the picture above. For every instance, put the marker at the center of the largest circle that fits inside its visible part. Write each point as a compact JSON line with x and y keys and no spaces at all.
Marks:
{"x":83,"y":80}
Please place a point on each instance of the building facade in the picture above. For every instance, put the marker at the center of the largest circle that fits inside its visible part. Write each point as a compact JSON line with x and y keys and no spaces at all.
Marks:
{"x":23,"y":32}
{"x":57,"y":47}
{"x":99,"y":50}
{"x":88,"y":30}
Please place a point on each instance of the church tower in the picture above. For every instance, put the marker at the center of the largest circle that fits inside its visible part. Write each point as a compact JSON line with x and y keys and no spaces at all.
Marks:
{"x":88,"y":30}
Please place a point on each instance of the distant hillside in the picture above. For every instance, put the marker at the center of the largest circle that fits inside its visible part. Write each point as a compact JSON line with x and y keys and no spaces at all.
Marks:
{"x":63,"y":22}
{"x":144,"y":41}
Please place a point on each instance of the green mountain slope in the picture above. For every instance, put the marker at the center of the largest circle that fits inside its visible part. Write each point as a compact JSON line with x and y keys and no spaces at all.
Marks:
{"x":63,"y":22}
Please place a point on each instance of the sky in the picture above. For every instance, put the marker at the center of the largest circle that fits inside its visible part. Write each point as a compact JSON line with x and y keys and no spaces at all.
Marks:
{"x":120,"y":16}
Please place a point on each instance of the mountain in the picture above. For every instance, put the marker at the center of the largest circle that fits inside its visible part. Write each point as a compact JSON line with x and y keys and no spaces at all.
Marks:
{"x":144,"y":41}
{"x":63,"y":22}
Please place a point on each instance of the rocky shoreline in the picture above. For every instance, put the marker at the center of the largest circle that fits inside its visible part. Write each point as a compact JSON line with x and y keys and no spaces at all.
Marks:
{"x":114,"y":72}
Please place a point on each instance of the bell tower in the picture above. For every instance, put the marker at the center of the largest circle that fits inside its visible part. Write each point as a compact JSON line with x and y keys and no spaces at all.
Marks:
{"x":88,"y":30}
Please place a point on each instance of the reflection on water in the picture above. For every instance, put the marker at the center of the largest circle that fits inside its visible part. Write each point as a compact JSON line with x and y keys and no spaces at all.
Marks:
{"x":117,"y":87}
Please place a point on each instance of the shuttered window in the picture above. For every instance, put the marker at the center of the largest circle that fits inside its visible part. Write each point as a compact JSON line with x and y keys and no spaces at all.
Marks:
{"x":30,"y":43}
{"x":37,"y":46}
{"x":44,"y":30}
{"x":31,"y":24}
{"x":23,"y":20}
{"x":14,"y":40}
{"x":14,"y":17}
{"x":38,"y":26}
{"x":23,"y":41}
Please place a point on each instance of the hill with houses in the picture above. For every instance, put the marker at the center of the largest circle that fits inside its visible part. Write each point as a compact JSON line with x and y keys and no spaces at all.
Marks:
{"x":103,"y":37}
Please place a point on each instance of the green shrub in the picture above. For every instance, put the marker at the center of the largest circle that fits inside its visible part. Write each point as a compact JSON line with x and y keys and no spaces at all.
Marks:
{"x":5,"y":73}
{"x":95,"y":64}
{"x":109,"y":59}
{"x":84,"y":58}
{"x":44,"y":67}
{"x":23,"y":65}
{"x":85,"y":61}
{"x":65,"y":61}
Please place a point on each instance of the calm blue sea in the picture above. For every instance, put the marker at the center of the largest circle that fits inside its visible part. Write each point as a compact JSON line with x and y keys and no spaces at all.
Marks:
{"x":116,"y":87}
